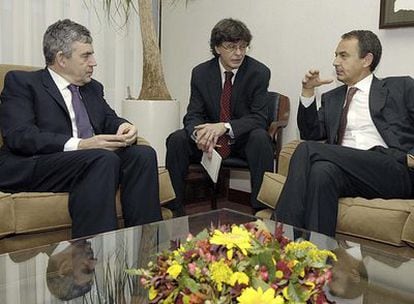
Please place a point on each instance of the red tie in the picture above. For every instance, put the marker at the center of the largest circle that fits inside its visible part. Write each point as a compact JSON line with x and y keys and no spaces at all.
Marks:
{"x":223,"y":141}
{"x":344,"y":117}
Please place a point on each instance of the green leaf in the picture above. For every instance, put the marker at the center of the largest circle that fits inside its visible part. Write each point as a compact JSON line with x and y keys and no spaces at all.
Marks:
{"x":189,"y":283}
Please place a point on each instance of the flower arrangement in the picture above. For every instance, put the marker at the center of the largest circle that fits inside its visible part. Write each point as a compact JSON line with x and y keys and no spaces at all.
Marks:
{"x":243,"y":264}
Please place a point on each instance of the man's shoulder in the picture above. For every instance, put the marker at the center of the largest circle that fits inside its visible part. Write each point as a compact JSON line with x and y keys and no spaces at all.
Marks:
{"x":206,"y":65}
{"x":24,"y":75}
{"x":396,"y":80}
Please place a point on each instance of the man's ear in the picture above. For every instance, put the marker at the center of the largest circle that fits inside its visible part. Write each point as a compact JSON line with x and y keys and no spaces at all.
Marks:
{"x":60,"y":59}
{"x":65,"y":268}
{"x":368,"y":59}
{"x":217,"y":50}
{"x":355,"y":275}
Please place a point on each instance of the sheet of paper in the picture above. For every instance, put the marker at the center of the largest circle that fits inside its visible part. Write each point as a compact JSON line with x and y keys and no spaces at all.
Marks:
{"x":212,"y":165}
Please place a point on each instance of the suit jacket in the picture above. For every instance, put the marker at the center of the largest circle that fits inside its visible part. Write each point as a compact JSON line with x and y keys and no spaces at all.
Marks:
{"x":34,"y":120}
{"x":248,"y":101}
{"x":391,"y":104}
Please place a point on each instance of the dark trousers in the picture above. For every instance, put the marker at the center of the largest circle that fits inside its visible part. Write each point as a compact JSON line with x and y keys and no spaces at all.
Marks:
{"x":321,"y":173}
{"x":255,"y":147}
{"x":92,"y":178}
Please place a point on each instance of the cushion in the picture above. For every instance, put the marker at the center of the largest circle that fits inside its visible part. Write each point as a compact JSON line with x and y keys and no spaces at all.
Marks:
{"x":388,"y":221}
{"x":271,"y":188}
{"x":41,"y":211}
{"x":166,"y":189}
{"x":7,"y":214}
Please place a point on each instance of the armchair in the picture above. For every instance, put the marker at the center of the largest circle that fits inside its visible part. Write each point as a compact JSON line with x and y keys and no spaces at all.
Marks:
{"x":389,"y":221}
{"x":30,"y":219}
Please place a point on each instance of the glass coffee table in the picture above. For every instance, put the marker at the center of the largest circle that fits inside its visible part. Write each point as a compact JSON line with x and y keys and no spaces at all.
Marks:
{"x":91,"y":270}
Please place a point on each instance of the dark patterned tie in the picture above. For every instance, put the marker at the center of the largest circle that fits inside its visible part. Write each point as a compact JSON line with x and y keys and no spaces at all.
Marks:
{"x":81,"y":116}
{"x":225,"y":108}
{"x":344,"y":117}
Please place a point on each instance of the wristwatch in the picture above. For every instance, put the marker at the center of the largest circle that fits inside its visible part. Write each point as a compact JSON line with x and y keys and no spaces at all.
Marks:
{"x":227,"y":126}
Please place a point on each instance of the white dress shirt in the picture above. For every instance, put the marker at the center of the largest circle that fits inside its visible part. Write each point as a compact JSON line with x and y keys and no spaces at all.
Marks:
{"x":360,"y":132}
{"x":62,"y":84}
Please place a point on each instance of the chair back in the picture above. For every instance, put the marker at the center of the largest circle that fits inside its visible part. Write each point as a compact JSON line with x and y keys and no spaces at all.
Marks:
{"x":4,"y":69}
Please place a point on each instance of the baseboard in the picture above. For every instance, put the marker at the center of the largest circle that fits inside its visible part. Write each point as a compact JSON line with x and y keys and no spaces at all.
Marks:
{"x":239,"y":196}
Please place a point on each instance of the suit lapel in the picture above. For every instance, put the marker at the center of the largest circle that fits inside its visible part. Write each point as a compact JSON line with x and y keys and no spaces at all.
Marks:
{"x":237,"y":84}
{"x":215,"y":87}
{"x":53,"y":90}
{"x":377,"y":97}
{"x":87,"y":97}
{"x":336,"y":104}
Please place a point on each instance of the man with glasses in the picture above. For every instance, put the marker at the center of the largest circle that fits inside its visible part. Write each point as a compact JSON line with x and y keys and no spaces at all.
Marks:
{"x":227,"y":111}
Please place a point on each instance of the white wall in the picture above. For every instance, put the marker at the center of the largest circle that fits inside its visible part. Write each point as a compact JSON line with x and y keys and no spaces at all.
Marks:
{"x":288,"y":36}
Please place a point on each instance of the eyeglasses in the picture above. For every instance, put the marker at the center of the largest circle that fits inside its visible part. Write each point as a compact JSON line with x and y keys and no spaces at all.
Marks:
{"x":232,"y":47}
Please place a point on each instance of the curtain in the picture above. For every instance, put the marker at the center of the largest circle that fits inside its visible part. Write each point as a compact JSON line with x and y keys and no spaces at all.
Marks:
{"x":117,"y":44}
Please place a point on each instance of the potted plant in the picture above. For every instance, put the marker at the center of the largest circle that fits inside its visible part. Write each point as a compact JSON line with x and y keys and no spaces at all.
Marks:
{"x":154,"y":112}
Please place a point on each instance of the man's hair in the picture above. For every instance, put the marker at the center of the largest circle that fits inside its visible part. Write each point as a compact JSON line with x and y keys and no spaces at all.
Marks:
{"x":60,"y":36}
{"x":228,"y":30}
{"x":368,"y":43}
{"x":64,"y":287}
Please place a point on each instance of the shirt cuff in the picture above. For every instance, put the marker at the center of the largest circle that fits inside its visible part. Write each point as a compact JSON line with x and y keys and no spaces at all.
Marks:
{"x":307,"y":101}
{"x":72,"y":144}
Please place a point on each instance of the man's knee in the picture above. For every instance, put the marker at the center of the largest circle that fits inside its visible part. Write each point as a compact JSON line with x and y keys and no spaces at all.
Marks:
{"x":259,"y":137}
{"x":323,"y":173}
{"x":177,"y":140}
{"x":143,"y":153}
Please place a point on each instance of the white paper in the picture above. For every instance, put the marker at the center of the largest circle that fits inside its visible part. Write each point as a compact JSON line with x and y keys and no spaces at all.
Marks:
{"x":212,"y":165}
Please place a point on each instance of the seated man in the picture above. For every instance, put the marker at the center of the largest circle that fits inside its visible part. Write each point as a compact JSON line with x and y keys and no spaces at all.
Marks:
{"x":227,"y":111}
{"x":368,"y":126}
{"x":60,"y":135}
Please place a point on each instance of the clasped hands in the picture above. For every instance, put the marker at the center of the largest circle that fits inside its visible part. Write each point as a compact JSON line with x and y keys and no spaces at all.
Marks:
{"x":206,"y":136}
{"x":126,"y":135}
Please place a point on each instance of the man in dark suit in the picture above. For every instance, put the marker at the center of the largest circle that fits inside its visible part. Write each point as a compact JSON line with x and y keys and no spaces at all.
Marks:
{"x":60,"y":135}
{"x":368,"y":126}
{"x":230,"y":116}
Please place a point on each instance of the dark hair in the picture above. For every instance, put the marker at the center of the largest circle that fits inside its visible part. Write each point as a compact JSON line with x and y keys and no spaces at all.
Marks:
{"x":368,"y":42}
{"x":60,"y":36}
{"x":228,"y":30}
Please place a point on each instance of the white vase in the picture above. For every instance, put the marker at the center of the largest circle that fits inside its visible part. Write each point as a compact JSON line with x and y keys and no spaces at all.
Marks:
{"x":155,"y":120}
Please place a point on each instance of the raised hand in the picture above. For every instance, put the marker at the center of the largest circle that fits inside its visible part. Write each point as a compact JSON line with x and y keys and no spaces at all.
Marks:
{"x":311,"y":81}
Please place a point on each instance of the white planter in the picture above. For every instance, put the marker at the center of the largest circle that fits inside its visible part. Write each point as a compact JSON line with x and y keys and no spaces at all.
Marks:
{"x":155,"y":120}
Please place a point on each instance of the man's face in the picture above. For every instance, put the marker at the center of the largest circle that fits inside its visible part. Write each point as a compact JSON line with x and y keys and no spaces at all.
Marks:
{"x":78,"y":68}
{"x":232,"y":54}
{"x":348,"y":66}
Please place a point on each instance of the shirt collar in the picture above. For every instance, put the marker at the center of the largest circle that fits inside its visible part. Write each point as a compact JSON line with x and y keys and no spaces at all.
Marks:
{"x":364,"y":84}
{"x":222,"y":70}
{"x":60,"y":82}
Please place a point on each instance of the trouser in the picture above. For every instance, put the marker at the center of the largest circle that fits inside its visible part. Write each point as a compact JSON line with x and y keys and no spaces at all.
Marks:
{"x":92,"y":178}
{"x":255,"y":147}
{"x":321,"y":173}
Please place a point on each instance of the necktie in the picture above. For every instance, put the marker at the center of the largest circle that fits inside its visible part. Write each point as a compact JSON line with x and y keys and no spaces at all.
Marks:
{"x":225,"y":108}
{"x":81,"y":116}
{"x":344,"y":117}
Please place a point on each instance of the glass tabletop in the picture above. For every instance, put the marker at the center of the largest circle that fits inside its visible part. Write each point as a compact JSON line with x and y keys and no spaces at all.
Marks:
{"x":92,"y":270}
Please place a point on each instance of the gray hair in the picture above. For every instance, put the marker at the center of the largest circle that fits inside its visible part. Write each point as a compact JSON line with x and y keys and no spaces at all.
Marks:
{"x":60,"y":36}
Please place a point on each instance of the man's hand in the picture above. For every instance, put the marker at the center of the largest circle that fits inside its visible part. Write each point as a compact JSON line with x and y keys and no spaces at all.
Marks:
{"x":129,"y":133}
{"x":207,"y":136}
{"x":104,"y":141}
{"x":311,"y":81}
{"x":410,"y":161}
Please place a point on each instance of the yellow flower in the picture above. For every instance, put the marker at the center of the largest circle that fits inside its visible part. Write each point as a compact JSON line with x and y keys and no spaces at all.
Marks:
{"x":279,"y":274}
{"x":252,"y":296}
{"x":174,"y":270}
{"x":239,"y":277}
{"x":220,"y":273}
{"x":152,"y":293}
{"x":238,"y":237}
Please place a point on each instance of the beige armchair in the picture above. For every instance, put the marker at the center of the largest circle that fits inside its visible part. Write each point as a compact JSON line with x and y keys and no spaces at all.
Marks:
{"x":32,"y":219}
{"x":388,"y":221}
